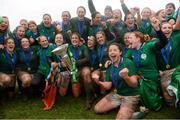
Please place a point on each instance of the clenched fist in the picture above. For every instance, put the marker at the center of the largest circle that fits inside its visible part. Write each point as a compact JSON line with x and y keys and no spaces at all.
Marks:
{"x":96,"y":78}
{"x":155,"y":23}
{"x":124,"y":73}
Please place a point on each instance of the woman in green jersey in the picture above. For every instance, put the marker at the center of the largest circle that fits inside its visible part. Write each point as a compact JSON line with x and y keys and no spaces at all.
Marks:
{"x":81,"y":23}
{"x":121,"y":77}
{"x":46,"y":28}
{"x":8,"y":60}
{"x":78,"y":54}
{"x":4,"y":31}
{"x":168,"y":59}
{"x":144,"y":56}
{"x":46,"y":60}
{"x":27,"y":65}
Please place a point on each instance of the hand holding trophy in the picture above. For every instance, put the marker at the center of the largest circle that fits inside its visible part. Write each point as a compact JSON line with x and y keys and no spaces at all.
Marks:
{"x":68,"y":59}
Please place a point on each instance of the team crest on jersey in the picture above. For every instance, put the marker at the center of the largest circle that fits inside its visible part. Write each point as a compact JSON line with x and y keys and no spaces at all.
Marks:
{"x":143,"y":56}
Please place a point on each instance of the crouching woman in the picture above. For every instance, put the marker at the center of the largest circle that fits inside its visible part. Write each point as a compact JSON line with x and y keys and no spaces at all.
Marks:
{"x":121,"y":78}
{"x":7,"y":67}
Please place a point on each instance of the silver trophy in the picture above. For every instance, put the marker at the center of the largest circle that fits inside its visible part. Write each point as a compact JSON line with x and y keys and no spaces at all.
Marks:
{"x":69,"y":61}
{"x":62,"y":52}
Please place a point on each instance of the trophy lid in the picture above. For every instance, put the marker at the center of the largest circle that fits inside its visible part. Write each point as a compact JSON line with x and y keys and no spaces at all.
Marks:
{"x":60,"y":50}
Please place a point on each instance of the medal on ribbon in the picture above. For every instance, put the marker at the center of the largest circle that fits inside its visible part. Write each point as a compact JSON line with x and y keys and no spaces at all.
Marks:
{"x":115,"y":75}
{"x":11,"y":60}
{"x":92,"y":58}
{"x":26,"y":57}
{"x":76,"y":53}
{"x":43,"y":55}
{"x":100,"y":64}
{"x":137,"y":58}
{"x":168,"y":66}
{"x":166,"y":54}
{"x":101,"y":54}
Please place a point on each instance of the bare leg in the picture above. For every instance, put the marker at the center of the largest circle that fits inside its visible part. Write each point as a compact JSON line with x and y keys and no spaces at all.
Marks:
{"x":98,"y":76}
{"x":25,"y":78}
{"x":165,"y":81}
{"x":8,"y":81}
{"x":88,"y":86}
{"x":128,"y":106}
{"x":107,"y":103}
{"x":5,"y":80}
{"x":63,"y":83}
{"x":76,"y":89}
{"x":124,"y":113}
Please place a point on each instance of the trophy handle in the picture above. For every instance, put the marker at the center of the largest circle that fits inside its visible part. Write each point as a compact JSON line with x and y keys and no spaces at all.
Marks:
{"x":74,"y":69}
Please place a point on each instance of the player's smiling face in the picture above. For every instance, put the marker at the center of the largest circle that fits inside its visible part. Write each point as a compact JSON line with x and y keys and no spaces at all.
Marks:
{"x":114,"y":53}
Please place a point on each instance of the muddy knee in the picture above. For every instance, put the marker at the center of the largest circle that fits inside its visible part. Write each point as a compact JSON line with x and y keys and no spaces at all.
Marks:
{"x":26,"y":80}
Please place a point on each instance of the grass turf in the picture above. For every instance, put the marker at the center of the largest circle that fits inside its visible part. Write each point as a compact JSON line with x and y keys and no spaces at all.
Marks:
{"x":67,"y":107}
